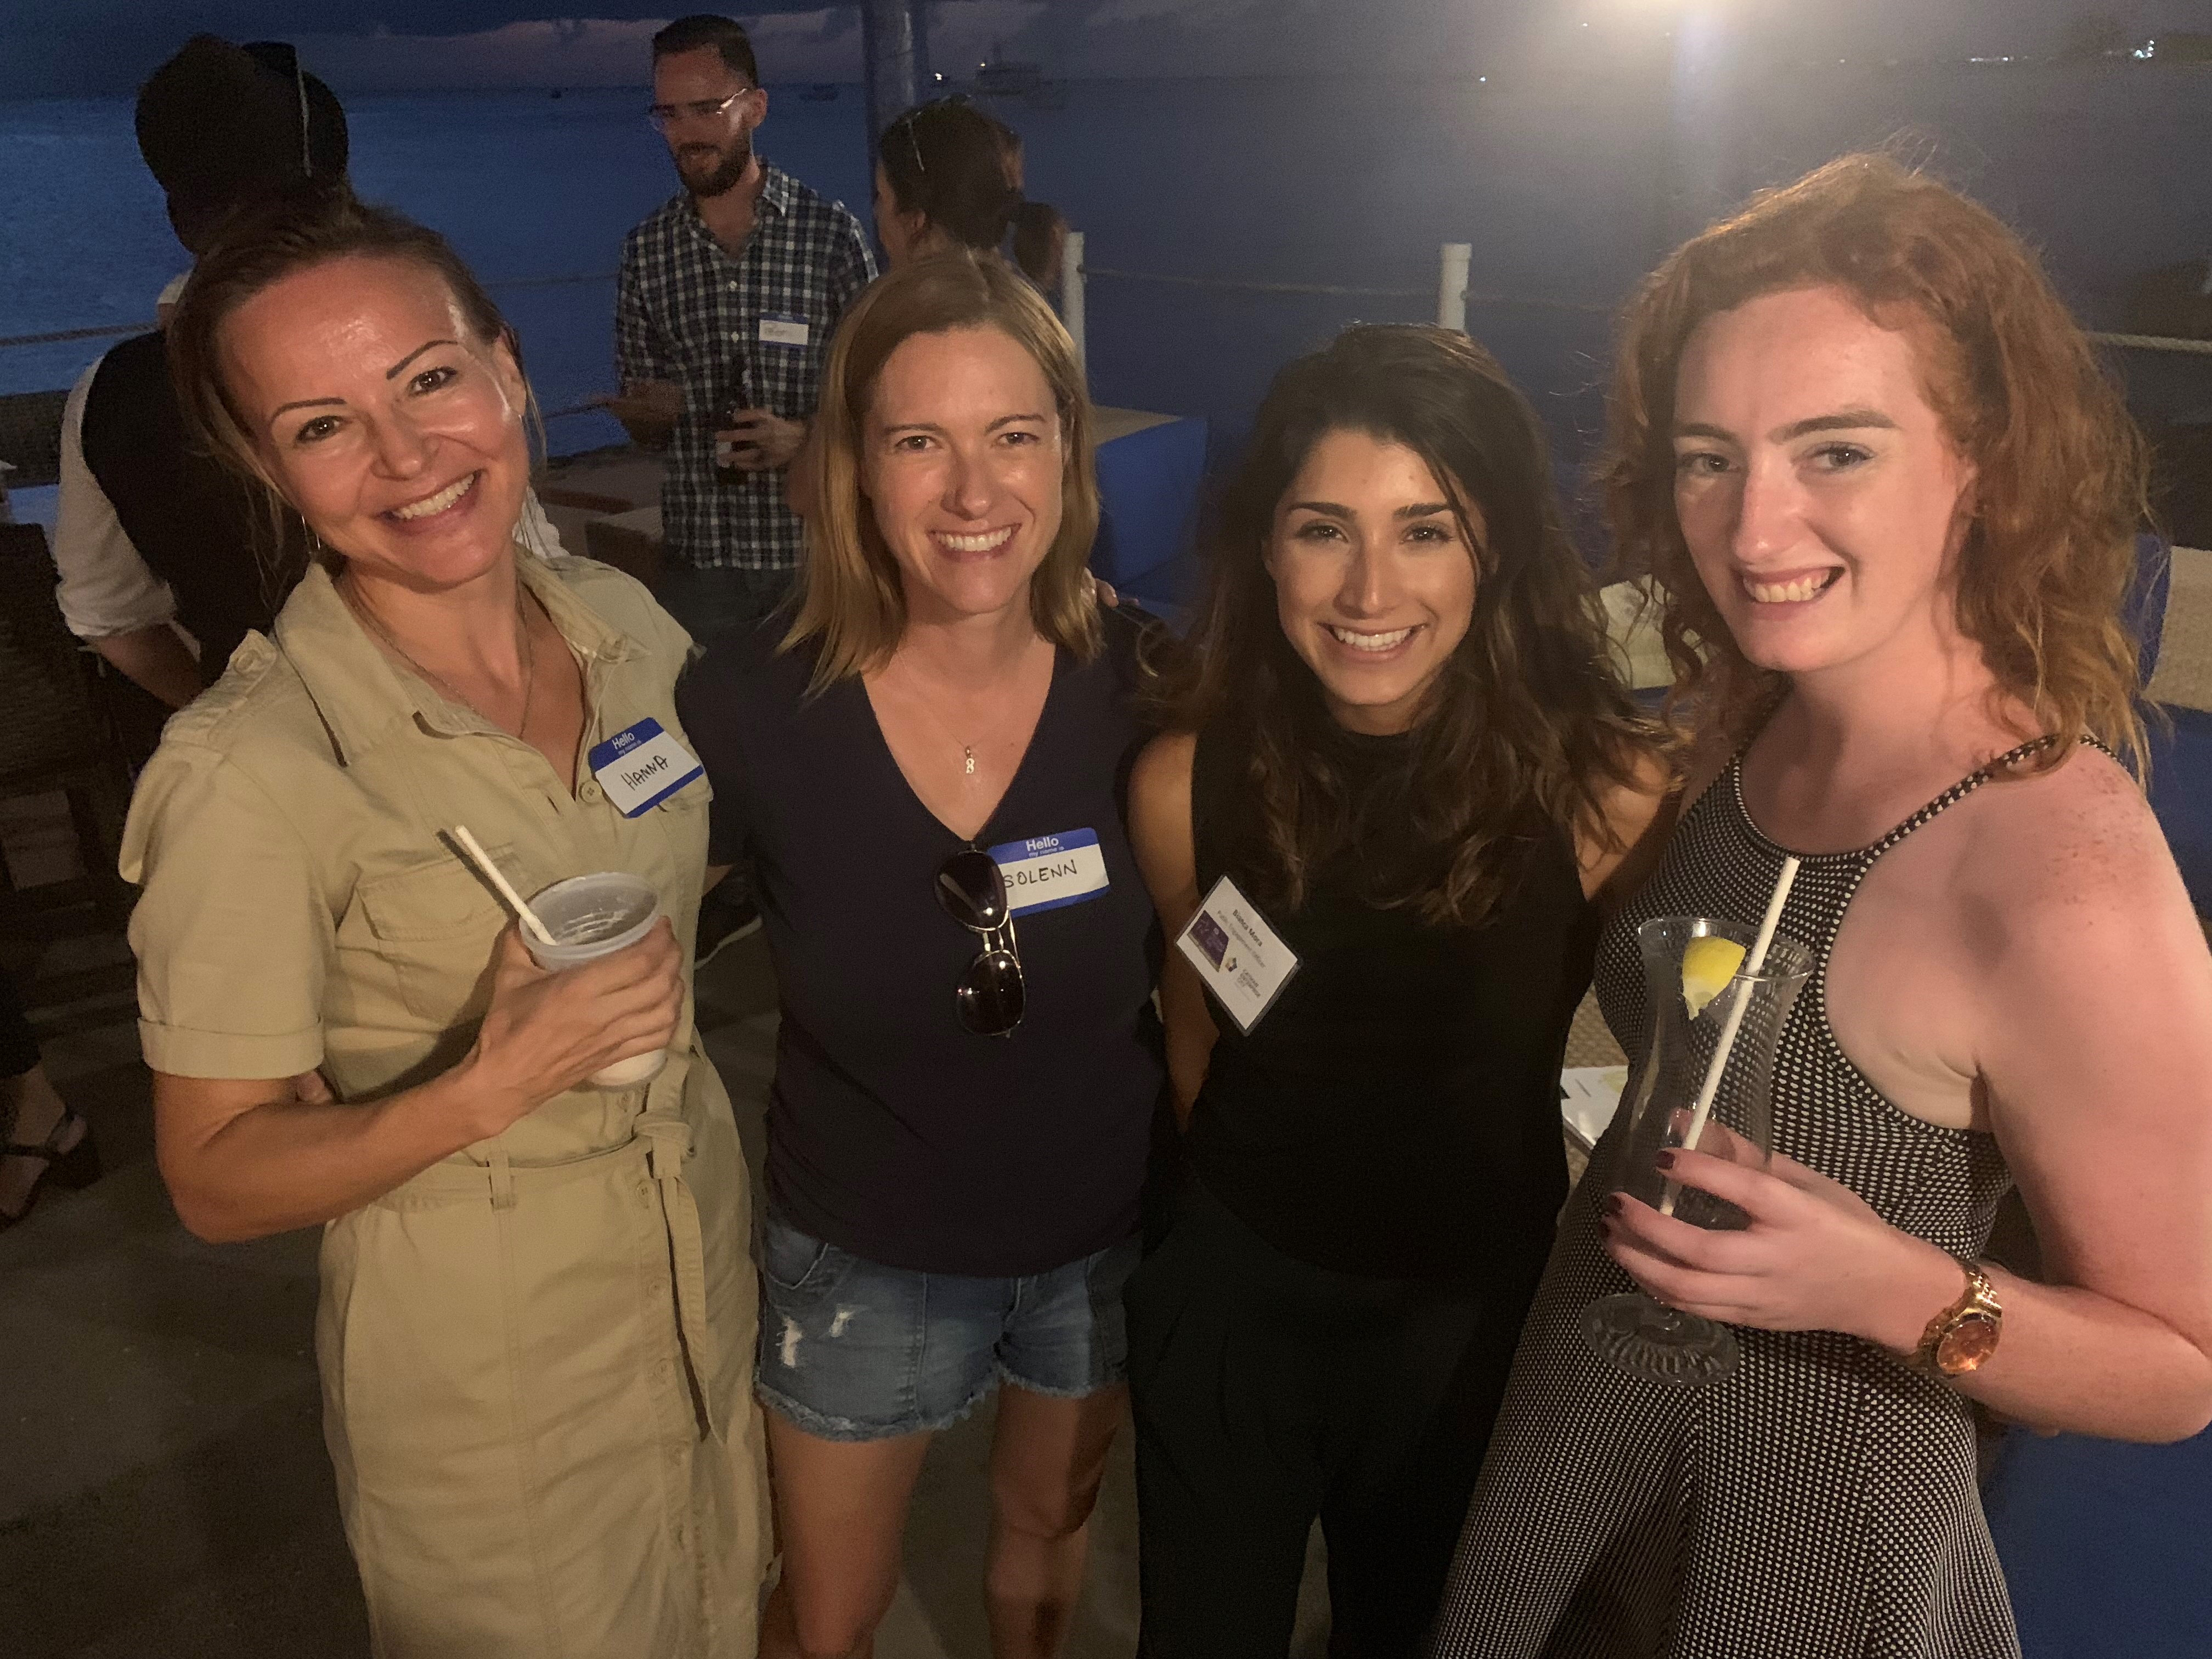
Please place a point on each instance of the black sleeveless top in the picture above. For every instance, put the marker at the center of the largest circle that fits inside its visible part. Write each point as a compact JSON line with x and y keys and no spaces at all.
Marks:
{"x":196,"y":524}
{"x":1395,"y":1114}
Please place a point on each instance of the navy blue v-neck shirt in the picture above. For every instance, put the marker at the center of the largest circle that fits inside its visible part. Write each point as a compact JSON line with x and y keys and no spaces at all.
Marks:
{"x":894,"y":1131}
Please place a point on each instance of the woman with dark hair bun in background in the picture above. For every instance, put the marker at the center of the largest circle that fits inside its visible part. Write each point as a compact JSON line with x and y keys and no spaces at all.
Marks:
{"x":949,"y":176}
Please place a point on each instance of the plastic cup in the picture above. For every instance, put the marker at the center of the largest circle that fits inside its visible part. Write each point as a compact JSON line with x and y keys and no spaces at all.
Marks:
{"x":593,"y":916}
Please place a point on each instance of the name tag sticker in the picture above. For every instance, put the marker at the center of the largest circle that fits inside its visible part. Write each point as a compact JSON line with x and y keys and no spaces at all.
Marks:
{"x":780,"y":328}
{"x":1047,"y":871}
{"x":1237,"y":955}
{"x":642,"y":767}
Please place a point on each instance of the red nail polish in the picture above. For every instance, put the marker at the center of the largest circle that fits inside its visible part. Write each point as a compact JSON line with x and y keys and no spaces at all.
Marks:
{"x":1665,"y":1160}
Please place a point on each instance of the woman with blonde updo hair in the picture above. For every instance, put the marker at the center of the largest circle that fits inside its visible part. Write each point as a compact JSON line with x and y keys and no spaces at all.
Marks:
{"x":536,"y":1303}
{"x":1888,"y":499}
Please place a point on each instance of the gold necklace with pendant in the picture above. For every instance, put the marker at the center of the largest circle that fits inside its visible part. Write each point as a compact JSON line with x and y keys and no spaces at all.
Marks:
{"x":528,"y":647}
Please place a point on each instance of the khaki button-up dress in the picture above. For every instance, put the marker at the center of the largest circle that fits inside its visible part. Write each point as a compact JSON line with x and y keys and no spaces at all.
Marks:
{"x":535,"y":1355}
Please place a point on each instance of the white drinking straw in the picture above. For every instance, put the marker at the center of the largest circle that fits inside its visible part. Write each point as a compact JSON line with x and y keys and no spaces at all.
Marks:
{"x":522,"y":910}
{"x":1734,"y":1024}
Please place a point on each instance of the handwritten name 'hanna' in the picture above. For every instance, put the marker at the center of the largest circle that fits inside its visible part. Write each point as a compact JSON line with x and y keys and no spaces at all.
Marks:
{"x":658,"y":764}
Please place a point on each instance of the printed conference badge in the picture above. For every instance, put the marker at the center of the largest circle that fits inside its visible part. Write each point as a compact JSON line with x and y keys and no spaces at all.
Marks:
{"x":1044,"y":873}
{"x":1237,"y":955}
{"x":642,"y":767}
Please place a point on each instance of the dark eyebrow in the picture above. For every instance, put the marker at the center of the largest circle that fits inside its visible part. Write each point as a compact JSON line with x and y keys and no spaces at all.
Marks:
{"x":391,"y":373}
{"x":1844,"y":420}
{"x":398,"y":368}
{"x":1336,"y":510}
{"x":307,"y":403}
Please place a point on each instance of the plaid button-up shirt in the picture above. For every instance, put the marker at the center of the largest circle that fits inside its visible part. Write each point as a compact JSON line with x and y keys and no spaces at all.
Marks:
{"x":685,"y":311}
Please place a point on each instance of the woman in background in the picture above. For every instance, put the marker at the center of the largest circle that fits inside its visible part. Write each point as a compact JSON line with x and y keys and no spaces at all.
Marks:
{"x":41,"y":1139}
{"x":949,"y":176}
{"x":949,"y":180}
{"x":1403,"y":745}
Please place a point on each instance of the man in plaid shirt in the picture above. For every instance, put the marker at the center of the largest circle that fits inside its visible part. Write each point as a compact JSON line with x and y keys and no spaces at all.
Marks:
{"x":728,"y":296}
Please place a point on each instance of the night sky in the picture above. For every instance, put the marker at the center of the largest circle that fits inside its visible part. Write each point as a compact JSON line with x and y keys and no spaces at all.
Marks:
{"x":75,"y":47}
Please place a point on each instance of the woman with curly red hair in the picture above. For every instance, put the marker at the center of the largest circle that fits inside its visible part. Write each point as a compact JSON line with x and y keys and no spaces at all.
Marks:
{"x":1887,"y":499}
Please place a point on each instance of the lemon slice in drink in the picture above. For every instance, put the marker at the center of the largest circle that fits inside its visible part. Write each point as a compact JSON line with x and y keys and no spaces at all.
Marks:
{"x":1708,"y":965}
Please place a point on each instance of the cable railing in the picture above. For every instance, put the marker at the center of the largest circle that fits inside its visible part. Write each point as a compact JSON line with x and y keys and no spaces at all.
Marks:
{"x":116,"y":330}
{"x":1451,"y":292}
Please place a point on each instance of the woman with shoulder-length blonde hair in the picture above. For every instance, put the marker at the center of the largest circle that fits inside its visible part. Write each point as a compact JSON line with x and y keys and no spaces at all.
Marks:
{"x":924,"y":771}
{"x":1889,"y":500}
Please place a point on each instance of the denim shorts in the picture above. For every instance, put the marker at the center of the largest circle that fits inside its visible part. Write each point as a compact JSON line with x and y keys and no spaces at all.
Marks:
{"x":850,"y":1350}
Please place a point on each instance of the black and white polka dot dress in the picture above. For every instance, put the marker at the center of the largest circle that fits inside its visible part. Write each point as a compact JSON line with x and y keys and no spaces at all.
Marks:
{"x":1821,"y":1501}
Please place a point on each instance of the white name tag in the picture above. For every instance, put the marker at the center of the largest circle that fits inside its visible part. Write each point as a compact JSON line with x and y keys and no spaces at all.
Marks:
{"x":782,"y":329}
{"x":1237,"y":954}
{"x":642,"y":767}
{"x":1046,"y":871}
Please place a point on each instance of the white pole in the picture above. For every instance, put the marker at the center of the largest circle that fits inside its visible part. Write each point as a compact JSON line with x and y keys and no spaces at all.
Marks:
{"x":1071,"y":293}
{"x":1451,"y":286}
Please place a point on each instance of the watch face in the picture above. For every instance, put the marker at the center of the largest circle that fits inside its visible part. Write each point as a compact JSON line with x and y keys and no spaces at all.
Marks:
{"x":1972,"y":1339}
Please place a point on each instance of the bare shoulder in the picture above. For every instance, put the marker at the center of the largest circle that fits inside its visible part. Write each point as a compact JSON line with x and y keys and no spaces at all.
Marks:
{"x":1631,"y":806}
{"x":2066,"y":894}
{"x":1639,"y":813}
{"x":1159,"y":786}
{"x":2079,"y":838}
{"x":1159,"y":814}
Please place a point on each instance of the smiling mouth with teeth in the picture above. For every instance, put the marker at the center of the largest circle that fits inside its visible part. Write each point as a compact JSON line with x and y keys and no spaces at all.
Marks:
{"x":437,"y":503}
{"x":987,"y":541}
{"x":1359,"y":642}
{"x":1793,"y":592}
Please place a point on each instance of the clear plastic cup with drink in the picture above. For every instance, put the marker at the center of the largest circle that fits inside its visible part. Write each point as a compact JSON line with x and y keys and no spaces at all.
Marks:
{"x":590,"y":917}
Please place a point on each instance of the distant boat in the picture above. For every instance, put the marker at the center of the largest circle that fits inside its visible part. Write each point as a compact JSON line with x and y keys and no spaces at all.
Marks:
{"x":822,"y":91}
{"x":1000,"y":77}
{"x":1006,"y":78}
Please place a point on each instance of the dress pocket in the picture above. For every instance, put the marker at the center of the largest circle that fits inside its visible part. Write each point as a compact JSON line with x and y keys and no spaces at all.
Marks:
{"x":436,"y":926}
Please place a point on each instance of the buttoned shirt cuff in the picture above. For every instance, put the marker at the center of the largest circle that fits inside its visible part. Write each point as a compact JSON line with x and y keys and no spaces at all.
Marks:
{"x":184,"y":1053}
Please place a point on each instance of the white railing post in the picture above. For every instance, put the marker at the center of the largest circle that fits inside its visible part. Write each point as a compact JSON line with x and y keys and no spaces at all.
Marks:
{"x":1071,"y":293}
{"x":1451,"y":285}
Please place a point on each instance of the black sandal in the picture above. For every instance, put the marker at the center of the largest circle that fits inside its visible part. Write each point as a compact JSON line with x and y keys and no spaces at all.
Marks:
{"x":76,"y":1169}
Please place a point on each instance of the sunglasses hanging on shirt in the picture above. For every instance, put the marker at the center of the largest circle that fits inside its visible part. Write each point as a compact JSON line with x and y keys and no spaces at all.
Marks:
{"x":990,"y":995}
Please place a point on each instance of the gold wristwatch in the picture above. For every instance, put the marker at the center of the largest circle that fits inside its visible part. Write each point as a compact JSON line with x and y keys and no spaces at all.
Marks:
{"x":1958,"y":1339}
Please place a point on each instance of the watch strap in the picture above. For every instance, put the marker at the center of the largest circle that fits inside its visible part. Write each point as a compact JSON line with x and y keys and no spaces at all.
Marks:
{"x":1978,"y":1301}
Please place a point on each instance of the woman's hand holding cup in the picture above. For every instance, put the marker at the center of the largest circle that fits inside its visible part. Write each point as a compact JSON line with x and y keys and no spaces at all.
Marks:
{"x":547,"y":1032}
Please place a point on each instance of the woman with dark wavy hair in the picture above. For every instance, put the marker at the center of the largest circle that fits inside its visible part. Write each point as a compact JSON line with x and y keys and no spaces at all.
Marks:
{"x":1403,"y":757}
{"x":1889,"y":503}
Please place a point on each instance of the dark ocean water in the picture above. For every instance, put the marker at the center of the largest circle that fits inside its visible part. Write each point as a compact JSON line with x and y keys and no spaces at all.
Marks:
{"x":1561,"y":181}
